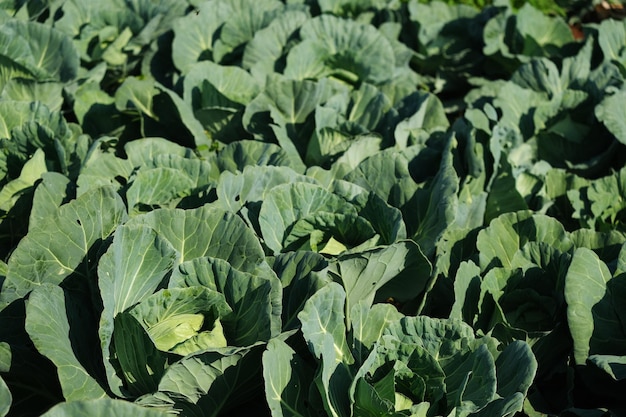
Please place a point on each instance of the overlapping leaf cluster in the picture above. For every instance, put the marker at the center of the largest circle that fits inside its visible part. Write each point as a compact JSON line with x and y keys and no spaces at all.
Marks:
{"x":302,"y":208}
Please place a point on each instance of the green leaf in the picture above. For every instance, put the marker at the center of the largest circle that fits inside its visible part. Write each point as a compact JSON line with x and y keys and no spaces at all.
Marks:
{"x":47,"y":53}
{"x":269,"y":44}
{"x":301,"y":274}
{"x":286,"y":378}
{"x":368,"y":324}
{"x":342,"y":49}
{"x":5,"y":398}
{"x":206,"y":231}
{"x":48,"y":315}
{"x":324,"y":329}
{"x":593,"y":312}
{"x":255,"y":300}
{"x":509,"y":232}
{"x":142,"y":365}
{"x":238,"y":155}
{"x":32,"y":170}
{"x":611,"y":36}
{"x":285,"y":204}
{"x":515,"y":368}
{"x":399,"y":270}
{"x":181,"y":319}
{"x":607,"y":113}
{"x":209,"y":383}
{"x":102,"y":408}
{"x":158,"y":187}
{"x":56,"y":249}
{"x":54,"y":190}
{"x":613,"y":365}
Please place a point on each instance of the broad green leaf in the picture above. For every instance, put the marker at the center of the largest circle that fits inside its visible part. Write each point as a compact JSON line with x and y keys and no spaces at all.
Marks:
{"x":515,"y":368}
{"x":217,"y":94}
{"x":433,"y":207}
{"x":283,"y":113}
{"x":219,"y":29}
{"x":158,"y":187}
{"x":47,"y":53}
{"x":323,"y":319}
{"x":419,"y":115}
{"x":142,"y":365}
{"x":136,"y":95}
{"x":613,"y":365}
{"x":250,"y":187}
{"x":147,"y":152}
{"x":133,"y":267}
{"x":593,"y":312}
{"x":509,"y":232}
{"x":286,"y":378}
{"x":63,"y":243}
{"x":541,"y":33}
{"x":209,"y":383}
{"x":237,"y":155}
{"x":49,"y":93}
{"x":324,"y":329}
{"x":611,"y":36}
{"x":367,"y":326}
{"x":54,"y":190}
{"x":255,"y":300}
{"x":131,"y":270}
{"x":301,"y":274}
{"x":607,"y":113}
{"x":399,"y":270}
{"x":102,"y":408}
{"x":5,"y":398}
{"x":386,"y":173}
{"x":271,"y":43}
{"x":32,"y":170}
{"x":49,"y":318}
{"x":206,"y":231}
{"x":285,"y":204}
{"x":467,"y":292}
{"x":334,"y":47}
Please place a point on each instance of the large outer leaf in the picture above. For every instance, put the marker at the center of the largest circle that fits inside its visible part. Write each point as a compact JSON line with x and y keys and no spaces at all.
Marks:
{"x":301,"y":274}
{"x":286,"y":381}
{"x":105,"y":407}
{"x":5,"y":398}
{"x":368,"y":324}
{"x":324,"y":330}
{"x":141,"y":364}
{"x":53,"y":251}
{"x":509,"y":232}
{"x":244,"y":192}
{"x":611,"y":37}
{"x":608,"y":113}
{"x":158,"y":187}
{"x":49,"y":195}
{"x":206,"y":231}
{"x":48,"y":315}
{"x":131,"y":270}
{"x":133,"y":267}
{"x":341,"y":48}
{"x":208,"y":383}
{"x":269,"y":44}
{"x":594,"y":311}
{"x":399,"y":270}
{"x":46,"y":52}
{"x":238,"y":155}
